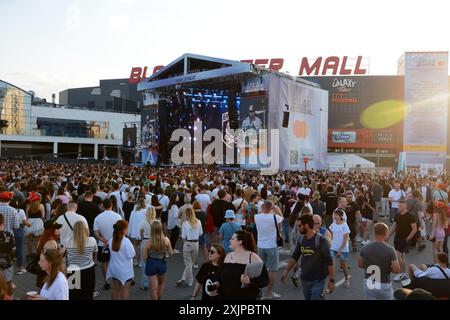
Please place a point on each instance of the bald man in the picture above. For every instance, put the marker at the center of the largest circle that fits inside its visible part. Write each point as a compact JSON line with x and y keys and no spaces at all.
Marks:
{"x":321,"y":230}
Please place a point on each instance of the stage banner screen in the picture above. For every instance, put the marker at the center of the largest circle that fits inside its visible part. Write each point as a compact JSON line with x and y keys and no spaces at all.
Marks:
{"x":426,"y":98}
{"x":129,"y":137}
{"x":306,"y":134}
{"x":149,"y":134}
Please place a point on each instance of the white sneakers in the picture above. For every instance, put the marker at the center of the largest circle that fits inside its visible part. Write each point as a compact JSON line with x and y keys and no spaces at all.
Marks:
{"x":400,"y":277}
{"x":21,"y":271}
{"x":273,"y":296}
{"x":175,"y":251}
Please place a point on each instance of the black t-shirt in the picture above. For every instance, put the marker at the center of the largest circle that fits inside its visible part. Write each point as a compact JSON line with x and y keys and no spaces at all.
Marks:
{"x":127,"y":208}
{"x":218,"y":208}
{"x":331,"y":203}
{"x":82,"y":188}
{"x":351,"y":210}
{"x":208,"y":272}
{"x":201,"y":215}
{"x":366,"y":211}
{"x":403,"y":222}
{"x":90,"y":211}
{"x":315,"y":261}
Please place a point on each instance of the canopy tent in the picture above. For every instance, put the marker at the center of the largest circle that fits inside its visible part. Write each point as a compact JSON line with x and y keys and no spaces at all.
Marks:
{"x":348,"y":161}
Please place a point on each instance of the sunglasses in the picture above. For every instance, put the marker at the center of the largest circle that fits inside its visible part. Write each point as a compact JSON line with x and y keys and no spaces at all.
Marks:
{"x":212,"y":251}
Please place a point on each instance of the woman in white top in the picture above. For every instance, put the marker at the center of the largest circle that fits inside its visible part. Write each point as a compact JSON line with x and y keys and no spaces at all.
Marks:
{"x":145,"y":232}
{"x":240,"y":203}
{"x":56,"y":286}
{"x":19,"y":234}
{"x":81,"y":251}
{"x":191,"y":230}
{"x":120,"y":267}
{"x":340,"y":233}
{"x":136,"y":217}
{"x":36,"y":213}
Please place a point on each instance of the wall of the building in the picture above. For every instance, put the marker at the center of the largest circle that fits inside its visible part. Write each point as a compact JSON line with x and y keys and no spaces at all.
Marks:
{"x":111,"y":95}
{"x":114,"y":121}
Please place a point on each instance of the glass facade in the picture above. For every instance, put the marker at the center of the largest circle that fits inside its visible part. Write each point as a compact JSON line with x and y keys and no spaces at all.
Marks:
{"x":73,"y":128}
{"x":15,"y":107}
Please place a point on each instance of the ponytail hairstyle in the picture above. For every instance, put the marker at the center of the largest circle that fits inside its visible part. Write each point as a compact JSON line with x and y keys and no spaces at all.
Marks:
{"x":120,"y":228}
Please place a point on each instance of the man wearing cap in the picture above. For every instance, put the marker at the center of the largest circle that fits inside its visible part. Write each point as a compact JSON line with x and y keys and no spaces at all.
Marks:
{"x":252,"y":121}
{"x":228,"y":228}
{"x":266,"y":225}
{"x":8,"y":212}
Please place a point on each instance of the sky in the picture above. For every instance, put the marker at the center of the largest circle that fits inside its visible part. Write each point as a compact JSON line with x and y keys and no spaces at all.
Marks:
{"x":51,"y":45}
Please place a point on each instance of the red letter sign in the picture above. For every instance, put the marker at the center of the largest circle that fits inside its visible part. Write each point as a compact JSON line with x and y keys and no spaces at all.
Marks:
{"x":305,"y":69}
{"x":135,"y":75}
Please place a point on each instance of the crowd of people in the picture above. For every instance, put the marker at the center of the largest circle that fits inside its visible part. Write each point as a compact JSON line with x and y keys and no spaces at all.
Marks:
{"x":71,"y":216}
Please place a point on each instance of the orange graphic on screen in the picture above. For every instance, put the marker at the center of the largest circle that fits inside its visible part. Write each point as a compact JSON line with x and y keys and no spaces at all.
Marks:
{"x":300,"y":129}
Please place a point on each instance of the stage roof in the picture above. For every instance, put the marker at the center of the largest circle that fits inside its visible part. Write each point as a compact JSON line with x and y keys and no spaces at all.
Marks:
{"x":192,"y":68}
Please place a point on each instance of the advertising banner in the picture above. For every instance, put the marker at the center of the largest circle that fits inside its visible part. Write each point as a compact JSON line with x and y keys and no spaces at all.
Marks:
{"x":370,"y":106}
{"x":306,"y":134}
{"x":343,"y":136}
{"x":426,"y":97}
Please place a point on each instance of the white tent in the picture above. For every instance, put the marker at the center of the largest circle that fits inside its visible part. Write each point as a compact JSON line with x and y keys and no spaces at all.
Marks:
{"x":348,"y":161}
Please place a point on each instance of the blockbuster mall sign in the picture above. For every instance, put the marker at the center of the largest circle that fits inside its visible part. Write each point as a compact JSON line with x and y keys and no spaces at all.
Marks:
{"x":320,"y":66}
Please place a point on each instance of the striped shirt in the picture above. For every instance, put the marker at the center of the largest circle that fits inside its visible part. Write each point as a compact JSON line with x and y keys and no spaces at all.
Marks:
{"x":81,"y":261}
{"x":11,"y":217}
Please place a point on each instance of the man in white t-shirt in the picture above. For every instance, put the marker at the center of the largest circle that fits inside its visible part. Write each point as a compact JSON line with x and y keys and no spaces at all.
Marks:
{"x":103,"y":228}
{"x":305,"y":190}
{"x":68,"y":220}
{"x":216,"y":190}
{"x":203,"y":198}
{"x":394,"y":196}
{"x":267,"y":241}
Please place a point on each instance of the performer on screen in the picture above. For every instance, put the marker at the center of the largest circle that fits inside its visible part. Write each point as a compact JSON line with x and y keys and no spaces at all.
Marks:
{"x":252,"y":121}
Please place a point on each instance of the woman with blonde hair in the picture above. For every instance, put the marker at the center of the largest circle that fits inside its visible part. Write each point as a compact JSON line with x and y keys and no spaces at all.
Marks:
{"x":156,"y":249}
{"x":81,"y":251}
{"x":191,"y":230}
{"x":145,"y":232}
{"x":137,"y":216}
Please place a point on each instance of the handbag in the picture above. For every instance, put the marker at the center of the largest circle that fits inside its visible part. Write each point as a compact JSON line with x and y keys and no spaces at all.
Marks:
{"x":33,"y":266}
{"x":106,"y":252}
{"x":279,"y":237}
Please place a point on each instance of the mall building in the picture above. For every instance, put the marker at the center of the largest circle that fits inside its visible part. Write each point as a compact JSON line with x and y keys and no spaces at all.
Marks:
{"x":32,"y":128}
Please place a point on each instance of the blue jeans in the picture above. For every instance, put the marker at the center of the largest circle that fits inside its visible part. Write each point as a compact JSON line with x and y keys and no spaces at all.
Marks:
{"x":286,"y":229}
{"x":19,"y":239}
{"x":312,"y":290}
{"x":392,"y":214}
{"x":144,"y":277}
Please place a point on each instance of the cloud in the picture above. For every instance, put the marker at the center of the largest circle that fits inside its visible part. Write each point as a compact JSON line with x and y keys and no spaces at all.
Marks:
{"x":118,"y":22}
{"x":73,"y":17}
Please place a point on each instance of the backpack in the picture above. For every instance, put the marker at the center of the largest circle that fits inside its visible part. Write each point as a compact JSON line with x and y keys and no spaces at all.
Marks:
{"x":301,"y":237}
{"x":7,"y":247}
